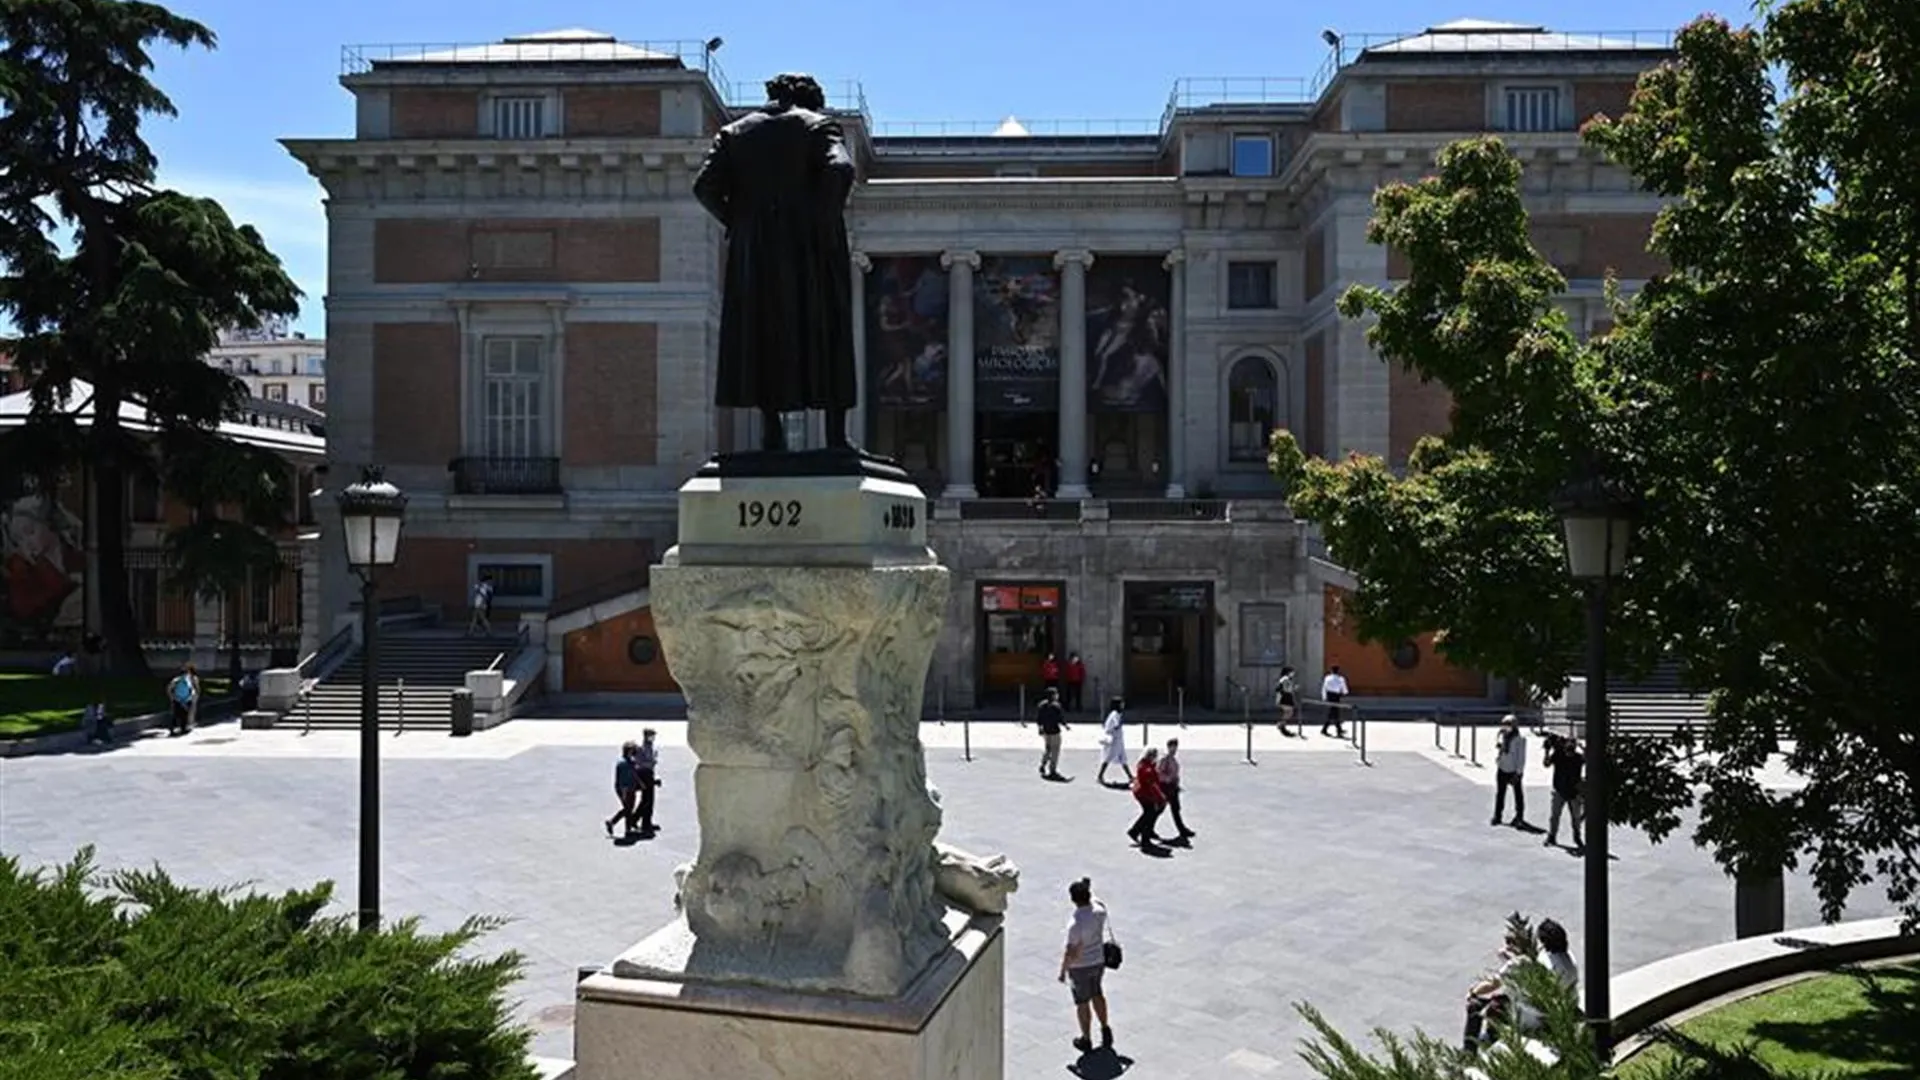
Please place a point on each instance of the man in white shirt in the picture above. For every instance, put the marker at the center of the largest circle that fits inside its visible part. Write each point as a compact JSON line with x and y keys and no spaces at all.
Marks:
{"x":1509,"y":771}
{"x":1333,"y":690}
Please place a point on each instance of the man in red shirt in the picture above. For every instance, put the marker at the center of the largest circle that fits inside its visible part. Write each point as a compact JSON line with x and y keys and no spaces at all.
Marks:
{"x":1076,"y":679}
{"x":1050,"y":674}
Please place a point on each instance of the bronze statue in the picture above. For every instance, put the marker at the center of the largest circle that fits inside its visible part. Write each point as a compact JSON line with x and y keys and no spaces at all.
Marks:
{"x":778,"y":179}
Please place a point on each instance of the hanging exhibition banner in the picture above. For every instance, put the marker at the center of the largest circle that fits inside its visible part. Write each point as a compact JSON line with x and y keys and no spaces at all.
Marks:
{"x":1016,"y":327}
{"x":1129,"y":329}
{"x":907,"y":332}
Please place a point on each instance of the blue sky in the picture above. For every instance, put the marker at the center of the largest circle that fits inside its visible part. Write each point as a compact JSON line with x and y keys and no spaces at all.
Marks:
{"x":276,"y":71}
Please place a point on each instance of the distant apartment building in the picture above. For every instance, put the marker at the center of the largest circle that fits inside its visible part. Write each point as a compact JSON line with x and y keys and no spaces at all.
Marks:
{"x":276,"y":364}
{"x":1078,"y":339}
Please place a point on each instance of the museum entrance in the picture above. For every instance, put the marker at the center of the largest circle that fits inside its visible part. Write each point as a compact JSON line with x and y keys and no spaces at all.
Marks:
{"x":1169,"y":642}
{"x":1019,"y":626}
{"x":1015,"y":453}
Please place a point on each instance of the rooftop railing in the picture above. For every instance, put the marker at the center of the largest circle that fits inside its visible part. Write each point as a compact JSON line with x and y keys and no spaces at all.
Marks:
{"x":1352,"y":47}
{"x":962,"y":136}
{"x":692,"y":55}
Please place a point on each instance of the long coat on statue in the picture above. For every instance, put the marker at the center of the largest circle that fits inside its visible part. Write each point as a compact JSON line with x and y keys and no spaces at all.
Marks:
{"x":779,"y":179}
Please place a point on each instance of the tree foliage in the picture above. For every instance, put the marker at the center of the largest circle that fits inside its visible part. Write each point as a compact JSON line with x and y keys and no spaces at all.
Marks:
{"x":132,"y":976}
{"x":1762,"y":398}
{"x":110,"y":280}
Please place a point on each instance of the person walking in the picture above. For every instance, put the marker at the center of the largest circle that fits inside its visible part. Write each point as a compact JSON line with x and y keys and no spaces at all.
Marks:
{"x":1113,"y":740}
{"x":1050,"y":721}
{"x":480,"y":617}
{"x":1084,"y":963}
{"x":1333,"y":690}
{"x":183,"y":693}
{"x":1152,"y":800}
{"x":1076,"y":681}
{"x":1509,"y":771}
{"x":1563,"y":756}
{"x":1286,"y":697}
{"x":646,"y":762}
{"x":1170,"y":787}
{"x":626,"y":786}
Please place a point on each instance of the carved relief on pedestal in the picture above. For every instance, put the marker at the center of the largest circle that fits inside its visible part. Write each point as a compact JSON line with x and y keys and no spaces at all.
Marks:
{"x":803,"y":689}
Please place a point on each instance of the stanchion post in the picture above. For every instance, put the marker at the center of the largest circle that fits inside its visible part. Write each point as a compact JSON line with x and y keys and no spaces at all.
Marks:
{"x":1023,"y":704}
{"x":1180,"y":706}
{"x":1476,"y":744}
{"x":943,"y":701}
{"x":1456,"y":737}
{"x":1363,"y":739}
{"x":966,"y":734}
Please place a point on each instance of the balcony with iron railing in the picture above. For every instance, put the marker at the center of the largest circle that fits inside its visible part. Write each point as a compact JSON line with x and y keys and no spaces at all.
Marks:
{"x":505,"y":475}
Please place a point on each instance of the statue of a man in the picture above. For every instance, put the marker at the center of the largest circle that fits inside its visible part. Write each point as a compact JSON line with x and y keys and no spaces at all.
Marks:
{"x":778,"y":179}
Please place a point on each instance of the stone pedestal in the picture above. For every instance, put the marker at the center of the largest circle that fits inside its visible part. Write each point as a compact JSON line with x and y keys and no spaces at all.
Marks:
{"x":816,"y":935}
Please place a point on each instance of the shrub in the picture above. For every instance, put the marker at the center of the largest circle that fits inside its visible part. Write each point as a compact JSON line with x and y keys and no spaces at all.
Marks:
{"x":130,"y":976}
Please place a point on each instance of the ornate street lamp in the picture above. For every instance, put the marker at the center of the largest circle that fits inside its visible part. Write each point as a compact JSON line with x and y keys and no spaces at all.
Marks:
{"x":1597,"y":519}
{"x":372,"y":512}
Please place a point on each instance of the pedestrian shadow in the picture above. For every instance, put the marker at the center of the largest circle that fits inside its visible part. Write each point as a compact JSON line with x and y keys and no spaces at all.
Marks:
{"x":1113,"y":786}
{"x":1058,"y":779}
{"x":1156,"y":851}
{"x":632,"y":838}
{"x":1529,"y":828}
{"x":1102,"y":1064}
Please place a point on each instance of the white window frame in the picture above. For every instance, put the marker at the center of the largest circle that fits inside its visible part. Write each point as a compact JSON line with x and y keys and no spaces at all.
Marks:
{"x":1277,"y":418}
{"x":1233,"y":152}
{"x":540,"y":442}
{"x":274,"y":391}
{"x":550,"y":118}
{"x":1544,"y":110}
{"x":1273,"y":284}
{"x":476,"y":560}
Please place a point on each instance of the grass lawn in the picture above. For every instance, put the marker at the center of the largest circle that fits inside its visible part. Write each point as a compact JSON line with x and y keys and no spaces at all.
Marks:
{"x":1858,"y":1025}
{"x":42,"y":704}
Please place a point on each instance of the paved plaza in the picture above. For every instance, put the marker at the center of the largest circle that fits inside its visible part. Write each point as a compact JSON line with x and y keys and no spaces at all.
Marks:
{"x":1375,"y":892}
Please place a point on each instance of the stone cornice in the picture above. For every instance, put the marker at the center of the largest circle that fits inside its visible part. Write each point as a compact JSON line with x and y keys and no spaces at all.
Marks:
{"x":326,"y":158}
{"x":1325,"y":151}
{"x":1009,"y":193}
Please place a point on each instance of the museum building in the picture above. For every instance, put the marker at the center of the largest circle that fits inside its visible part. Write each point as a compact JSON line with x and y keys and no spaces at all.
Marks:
{"x":1077,"y":341}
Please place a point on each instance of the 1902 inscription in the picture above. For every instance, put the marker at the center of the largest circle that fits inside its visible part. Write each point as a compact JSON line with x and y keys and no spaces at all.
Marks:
{"x":898,"y":517}
{"x":773,"y":513}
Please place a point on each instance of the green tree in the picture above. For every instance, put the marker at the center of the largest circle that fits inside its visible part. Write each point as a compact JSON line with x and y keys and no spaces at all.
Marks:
{"x":239,"y":496}
{"x":1762,"y":398}
{"x":108,"y":279}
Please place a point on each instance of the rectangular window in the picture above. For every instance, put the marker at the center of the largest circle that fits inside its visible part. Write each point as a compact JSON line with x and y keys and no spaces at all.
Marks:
{"x":1253,"y":155}
{"x":1250,"y":286}
{"x":519,"y":117}
{"x":1532,"y":108}
{"x":317,"y":395}
{"x":513,"y":401}
{"x":276,"y":367}
{"x":274,"y":391}
{"x":515,"y":581}
{"x":143,"y":498}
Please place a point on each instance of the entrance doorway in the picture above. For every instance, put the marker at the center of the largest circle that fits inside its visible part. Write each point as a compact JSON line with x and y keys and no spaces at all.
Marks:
{"x":1016,"y":453}
{"x":1169,"y":642}
{"x":1019,"y":626}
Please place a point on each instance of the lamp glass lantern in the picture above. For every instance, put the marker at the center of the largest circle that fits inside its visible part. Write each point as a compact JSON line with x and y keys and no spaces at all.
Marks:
{"x":1597,"y":523}
{"x":372,"y":511}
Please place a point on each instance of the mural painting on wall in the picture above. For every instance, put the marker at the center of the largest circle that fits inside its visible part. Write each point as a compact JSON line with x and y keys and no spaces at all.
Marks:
{"x":907,"y":332}
{"x":1017,"y":334}
{"x":1129,"y":298}
{"x":42,"y":563}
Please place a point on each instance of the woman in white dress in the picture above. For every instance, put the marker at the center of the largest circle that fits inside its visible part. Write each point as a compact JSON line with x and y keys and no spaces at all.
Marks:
{"x":1113,"y":743}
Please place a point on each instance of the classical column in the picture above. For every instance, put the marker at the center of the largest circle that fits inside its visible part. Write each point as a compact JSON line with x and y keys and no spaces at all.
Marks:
{"x":960,"y":266}
{"x":1176,"y":264}
{"x":857,"y":419}
{"x":1073,"y":372}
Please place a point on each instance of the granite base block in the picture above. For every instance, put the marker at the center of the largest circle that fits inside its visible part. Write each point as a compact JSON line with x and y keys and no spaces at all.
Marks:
{"x":949,"y":1025}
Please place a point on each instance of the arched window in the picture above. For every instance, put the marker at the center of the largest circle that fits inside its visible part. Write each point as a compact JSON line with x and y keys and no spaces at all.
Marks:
{"x":1253,"y":404}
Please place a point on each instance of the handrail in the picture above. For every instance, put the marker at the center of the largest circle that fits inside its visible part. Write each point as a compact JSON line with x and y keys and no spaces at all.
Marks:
{"x":520,"y":638}
{"x":341,"y":638}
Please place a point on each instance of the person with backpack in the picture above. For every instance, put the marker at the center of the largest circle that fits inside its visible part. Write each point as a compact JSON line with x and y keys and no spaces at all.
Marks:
{"x":480,"y":619}
{"x":1085,"y":962}
{"x":1286,"y":697}
{"x":183,"y":697}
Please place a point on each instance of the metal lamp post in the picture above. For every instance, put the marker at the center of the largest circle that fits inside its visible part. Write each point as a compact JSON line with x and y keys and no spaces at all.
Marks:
{"x":1598,"y":523}
{"x":371,"y":514}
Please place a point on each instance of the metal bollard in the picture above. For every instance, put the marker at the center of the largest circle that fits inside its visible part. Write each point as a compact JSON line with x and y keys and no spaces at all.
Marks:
{"x":400,"y":706}
{"x":1456,"y":738}
{"x":942,"y":706}
{"x":1476,"y":745}
{"x":966,"y":735}
{"x":1363,"y":741}
{"x":1023,"y":704}
{"x":1180,"y":706}
{"x":1246,"y":716}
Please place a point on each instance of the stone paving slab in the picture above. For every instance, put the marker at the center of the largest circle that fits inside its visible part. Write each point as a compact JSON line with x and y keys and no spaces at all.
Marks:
{"x":1375,"y":892}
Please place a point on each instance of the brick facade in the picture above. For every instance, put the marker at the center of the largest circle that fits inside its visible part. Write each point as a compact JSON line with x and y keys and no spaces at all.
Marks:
{"x":1372,"y":671}
{"x":592,"y":112}
{"x":611,"y":415}
{"x":1415,"y":409}
{"x":416,"y":113}
{"x":416,"y":393}
{"x":1601,"y":98}
{"x":434,"y":568}
{"x":1437,"y":106}
{"x":419,"y":251}
{"x":599,"y":659}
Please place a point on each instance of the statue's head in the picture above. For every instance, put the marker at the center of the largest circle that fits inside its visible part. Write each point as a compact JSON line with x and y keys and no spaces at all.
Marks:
{"x":796,"y":91}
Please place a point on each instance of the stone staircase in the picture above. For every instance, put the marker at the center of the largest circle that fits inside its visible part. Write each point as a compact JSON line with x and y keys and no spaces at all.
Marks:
{"x":418,"y":671}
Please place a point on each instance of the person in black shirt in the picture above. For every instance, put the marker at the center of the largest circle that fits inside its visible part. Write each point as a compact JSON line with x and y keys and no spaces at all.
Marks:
{"x":1050,"y":721}
{"x":1565,"y":759}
